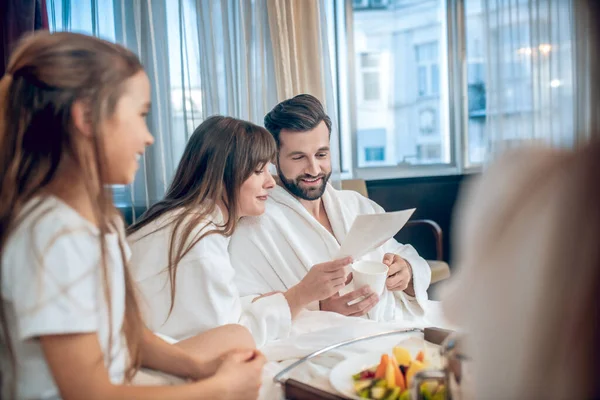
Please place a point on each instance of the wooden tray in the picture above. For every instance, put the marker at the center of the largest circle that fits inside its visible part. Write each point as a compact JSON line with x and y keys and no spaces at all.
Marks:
{"x":296,"y":390}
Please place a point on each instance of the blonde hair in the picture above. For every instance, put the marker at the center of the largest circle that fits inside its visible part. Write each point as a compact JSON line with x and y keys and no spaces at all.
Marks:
{"x":46,"y":74}
{"x":529,"y":275}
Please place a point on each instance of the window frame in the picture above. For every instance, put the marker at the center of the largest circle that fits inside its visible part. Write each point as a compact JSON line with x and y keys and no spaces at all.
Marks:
{"x":458,"y":112}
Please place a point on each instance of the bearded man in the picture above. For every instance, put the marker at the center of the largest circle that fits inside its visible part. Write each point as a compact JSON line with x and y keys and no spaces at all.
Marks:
{"x":305,"y":221}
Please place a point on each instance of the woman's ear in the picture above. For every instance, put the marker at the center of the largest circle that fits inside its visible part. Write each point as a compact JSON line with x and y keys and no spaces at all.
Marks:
{"x":81,"y":117}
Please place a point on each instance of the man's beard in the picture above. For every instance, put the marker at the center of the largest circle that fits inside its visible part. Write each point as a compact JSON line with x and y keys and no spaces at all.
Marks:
{"x":311,"y":193}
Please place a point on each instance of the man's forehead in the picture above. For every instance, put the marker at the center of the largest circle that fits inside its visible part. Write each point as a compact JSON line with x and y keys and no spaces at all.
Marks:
{"x":313,"y":139}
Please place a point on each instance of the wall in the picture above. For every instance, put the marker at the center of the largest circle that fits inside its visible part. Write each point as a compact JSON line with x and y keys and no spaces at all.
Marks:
{"x":433,"y":197}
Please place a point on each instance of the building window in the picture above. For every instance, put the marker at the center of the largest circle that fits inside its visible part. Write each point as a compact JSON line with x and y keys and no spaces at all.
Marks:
{"x":428,"y":69}
{"x":374,"y":154}
{"x":371,"y":86}
{"x":427,"y":121}
{"x":429,"y":152}
{"x":398,"y":79}
{"x":370,"y":64}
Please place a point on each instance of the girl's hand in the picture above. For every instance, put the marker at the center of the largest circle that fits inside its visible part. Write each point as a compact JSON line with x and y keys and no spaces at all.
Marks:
{"x":206,"y":368}
{"x":239,"y":376}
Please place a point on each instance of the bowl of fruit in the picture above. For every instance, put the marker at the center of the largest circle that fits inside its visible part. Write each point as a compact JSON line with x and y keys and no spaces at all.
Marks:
{"x":389,"y":379}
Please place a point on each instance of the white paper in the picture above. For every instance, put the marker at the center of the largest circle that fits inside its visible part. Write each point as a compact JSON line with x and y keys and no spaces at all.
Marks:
{"x":369,"y":231}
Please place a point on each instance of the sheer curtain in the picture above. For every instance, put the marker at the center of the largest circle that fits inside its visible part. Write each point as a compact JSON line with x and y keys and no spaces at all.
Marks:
{"x":206,"y":57}
{"x":530,"y":88}
{"x":301,"y":46}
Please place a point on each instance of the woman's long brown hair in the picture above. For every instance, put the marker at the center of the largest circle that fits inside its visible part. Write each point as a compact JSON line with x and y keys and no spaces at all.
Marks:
{"x":46,"y":74}
{"x":221,"y":154}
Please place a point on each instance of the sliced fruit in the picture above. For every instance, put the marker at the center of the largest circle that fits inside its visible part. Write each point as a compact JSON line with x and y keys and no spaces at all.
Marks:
{"x":380,"y":371}
{"x":399,"y":377}
{"x":403,"y":369}
{"x":402,"y":355}
{"x":390,"y":375}
{"x":394,"y":394}
{"x":420,"y":356}
{"x":367,"y":374}
{"x":414,"y":367}
{"x":428,"y":389}
{"x":440,"y":394}
{"x":378,"y":393}
{"x":381,"y":383}
{"x":362,"y":384}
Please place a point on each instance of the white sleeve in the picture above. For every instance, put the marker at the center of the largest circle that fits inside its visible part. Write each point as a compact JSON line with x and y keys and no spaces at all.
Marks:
{"x":248,"y":261}
{"x":205,"y":281}
{"x":55,"y":288}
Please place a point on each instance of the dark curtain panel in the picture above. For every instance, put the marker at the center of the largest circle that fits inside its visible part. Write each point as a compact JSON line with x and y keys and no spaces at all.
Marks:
{"x":18,"y":17}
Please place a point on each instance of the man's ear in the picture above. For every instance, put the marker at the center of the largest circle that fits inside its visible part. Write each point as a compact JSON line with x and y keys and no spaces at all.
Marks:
{"x":275,"y":161}
{"x":81,"y":117}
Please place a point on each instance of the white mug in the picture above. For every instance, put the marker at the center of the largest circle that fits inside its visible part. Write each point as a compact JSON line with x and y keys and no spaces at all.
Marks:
{"x":370,"y":273}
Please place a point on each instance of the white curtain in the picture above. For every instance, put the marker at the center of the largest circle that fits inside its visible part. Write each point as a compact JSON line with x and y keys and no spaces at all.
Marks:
{"x":206,"y":57}
{"x":530,"y":88}
{"x":302,"y":50}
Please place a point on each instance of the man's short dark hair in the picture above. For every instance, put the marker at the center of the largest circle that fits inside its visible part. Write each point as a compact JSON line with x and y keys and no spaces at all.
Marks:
{"x":299,"y":114}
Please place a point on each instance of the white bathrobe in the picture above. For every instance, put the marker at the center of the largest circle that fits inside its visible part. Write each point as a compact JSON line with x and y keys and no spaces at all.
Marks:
{"x":274,"y":252}
{"x":205,"y":293}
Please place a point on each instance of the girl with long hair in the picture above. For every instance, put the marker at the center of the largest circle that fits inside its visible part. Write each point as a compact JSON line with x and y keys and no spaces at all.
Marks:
{"x":72,"y":122}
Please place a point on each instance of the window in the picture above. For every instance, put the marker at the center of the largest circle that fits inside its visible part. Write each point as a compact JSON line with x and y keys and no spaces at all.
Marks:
{"x":184,"y":72}
{"x":422,"y":72}
{"x":371,"y":86}
{"x":401,"y":105}
{"x":79,"y":19}
{"x":476,"y":88}
{"x":101,"y":19}
{"x":372,"y":145}
{"x":369,"y":64}
{"x":360,"y":3}
{"x":428,"y":69}
{"x":83,"y":18}
{"x":512,"y":39}
{"x":427,"y":121}
{"x":374,"y":153}
{"x":428,"y":152}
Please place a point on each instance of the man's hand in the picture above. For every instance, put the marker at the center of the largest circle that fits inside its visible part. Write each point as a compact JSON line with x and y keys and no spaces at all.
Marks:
{"x":339,"y":304}
{"x":321,"y":282}
{"x":399,"y":274}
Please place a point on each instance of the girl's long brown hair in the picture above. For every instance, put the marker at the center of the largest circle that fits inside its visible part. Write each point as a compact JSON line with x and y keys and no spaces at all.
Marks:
{"x":221,"y":154}
{"x":46,"y":74}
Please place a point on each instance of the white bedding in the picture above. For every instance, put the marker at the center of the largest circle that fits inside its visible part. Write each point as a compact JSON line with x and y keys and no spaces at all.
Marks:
{"x":312,"y":331}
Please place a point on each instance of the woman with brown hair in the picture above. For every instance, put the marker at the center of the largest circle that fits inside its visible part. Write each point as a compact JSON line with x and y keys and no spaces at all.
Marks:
{"x":180,"y":259}
{"x":72,"y":122}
